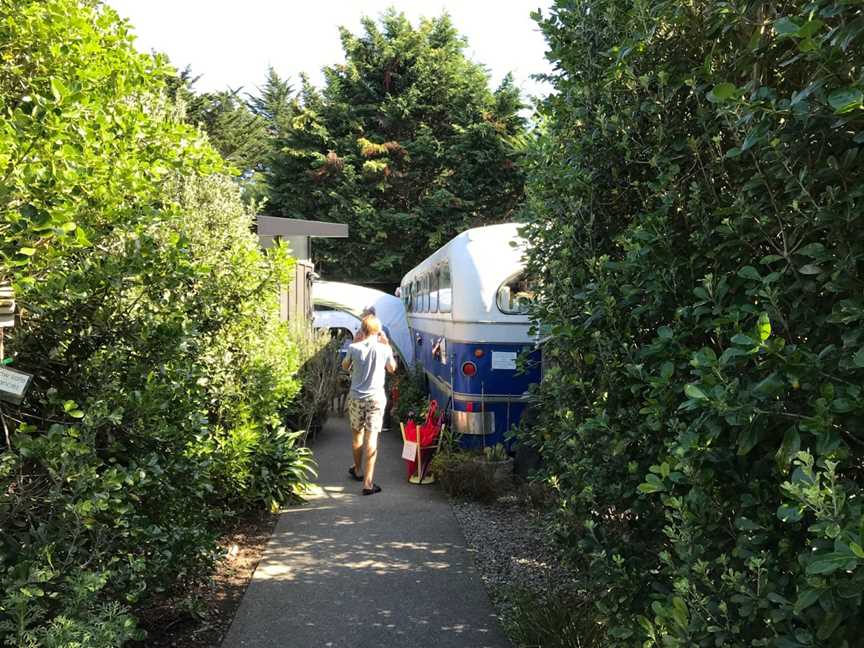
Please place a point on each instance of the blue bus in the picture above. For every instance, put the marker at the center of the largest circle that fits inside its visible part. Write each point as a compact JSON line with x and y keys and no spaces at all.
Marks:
{"x":466,"y":306}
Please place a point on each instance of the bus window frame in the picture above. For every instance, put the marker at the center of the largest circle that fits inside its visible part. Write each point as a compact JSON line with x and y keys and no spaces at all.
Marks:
{"x":508,"y":280}
{"x":445,"y":266}
{"x":433,"y":290}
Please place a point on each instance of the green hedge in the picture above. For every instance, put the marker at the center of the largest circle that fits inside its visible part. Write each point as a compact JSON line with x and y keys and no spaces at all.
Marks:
{"x":697,"y":212}
{"x":149,"y":319}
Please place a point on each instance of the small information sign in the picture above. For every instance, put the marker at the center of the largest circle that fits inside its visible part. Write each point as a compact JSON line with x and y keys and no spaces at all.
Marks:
{"x":13,"y":384}
{"x":409,"y":451}
{"x":504,"y":360}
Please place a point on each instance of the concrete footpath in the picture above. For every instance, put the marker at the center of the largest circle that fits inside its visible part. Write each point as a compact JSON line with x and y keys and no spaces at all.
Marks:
{"x":389,"y":570}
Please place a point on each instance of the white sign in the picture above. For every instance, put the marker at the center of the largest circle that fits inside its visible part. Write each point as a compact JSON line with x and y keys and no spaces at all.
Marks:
{"x":409,"y":451}
{"x":504,"y":360}
{"x":14,"y":383}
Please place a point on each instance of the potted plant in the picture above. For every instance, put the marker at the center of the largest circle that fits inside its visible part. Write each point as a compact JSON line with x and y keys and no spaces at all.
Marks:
{"x":497,"y":464}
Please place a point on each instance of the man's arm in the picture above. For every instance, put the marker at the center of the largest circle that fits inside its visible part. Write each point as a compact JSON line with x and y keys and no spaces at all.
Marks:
{"x":346,"y":361}
{"x":390,"y":366}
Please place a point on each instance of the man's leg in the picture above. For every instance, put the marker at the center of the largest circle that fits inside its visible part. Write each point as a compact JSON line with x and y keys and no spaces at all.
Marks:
{"x":374,"y":418}
{"x":355,"y":420}
{"x":371,"y":457}
{"x":357,"y":449}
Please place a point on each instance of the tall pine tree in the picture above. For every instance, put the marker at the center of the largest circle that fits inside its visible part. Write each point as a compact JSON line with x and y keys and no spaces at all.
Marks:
{"x":406,"y":143}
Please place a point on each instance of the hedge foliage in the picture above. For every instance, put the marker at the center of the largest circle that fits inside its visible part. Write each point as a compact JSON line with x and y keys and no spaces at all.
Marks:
{"x":149,"y":318}
{"x":696,"y":209}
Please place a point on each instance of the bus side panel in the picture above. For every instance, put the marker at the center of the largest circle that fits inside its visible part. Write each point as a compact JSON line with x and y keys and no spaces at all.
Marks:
{"x":504,"y":374}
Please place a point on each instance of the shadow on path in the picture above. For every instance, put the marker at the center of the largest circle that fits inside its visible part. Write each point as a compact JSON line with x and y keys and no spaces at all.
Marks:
{"x":347,"y":571}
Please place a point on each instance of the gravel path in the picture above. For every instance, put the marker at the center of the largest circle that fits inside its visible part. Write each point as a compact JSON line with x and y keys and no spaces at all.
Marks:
{"x":512,"y":550}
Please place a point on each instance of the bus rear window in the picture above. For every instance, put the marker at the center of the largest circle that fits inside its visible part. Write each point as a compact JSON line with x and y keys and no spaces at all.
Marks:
{"x":516,"y":294}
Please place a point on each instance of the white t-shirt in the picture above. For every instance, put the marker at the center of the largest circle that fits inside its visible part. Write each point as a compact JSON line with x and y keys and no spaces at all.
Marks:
{"x":369,"y":360}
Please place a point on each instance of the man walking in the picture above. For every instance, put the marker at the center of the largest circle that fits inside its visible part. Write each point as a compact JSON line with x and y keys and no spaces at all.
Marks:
{"x":369,"y":359}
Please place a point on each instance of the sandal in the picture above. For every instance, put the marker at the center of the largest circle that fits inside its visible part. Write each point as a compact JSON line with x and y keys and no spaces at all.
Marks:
{"x":371,"y":491}
{"x":353,"y":472}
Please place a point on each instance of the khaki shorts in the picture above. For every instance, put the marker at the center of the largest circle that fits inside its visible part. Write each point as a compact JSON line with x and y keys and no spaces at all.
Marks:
{"x":366,"y":415}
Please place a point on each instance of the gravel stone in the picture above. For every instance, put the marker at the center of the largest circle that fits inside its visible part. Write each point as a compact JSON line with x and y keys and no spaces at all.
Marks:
{"x":513,"y":550}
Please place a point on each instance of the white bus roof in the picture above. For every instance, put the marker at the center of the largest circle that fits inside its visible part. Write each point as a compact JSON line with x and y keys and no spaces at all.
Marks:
{"x":481,"y":259}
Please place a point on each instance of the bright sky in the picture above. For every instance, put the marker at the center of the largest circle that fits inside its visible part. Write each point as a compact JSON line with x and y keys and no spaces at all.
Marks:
{"x":231,"y":43}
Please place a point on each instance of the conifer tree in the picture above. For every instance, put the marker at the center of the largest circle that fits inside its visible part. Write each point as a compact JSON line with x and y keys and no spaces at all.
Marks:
{"x":405,"y":142}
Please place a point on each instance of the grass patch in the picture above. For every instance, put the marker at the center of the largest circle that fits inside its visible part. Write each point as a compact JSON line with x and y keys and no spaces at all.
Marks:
{"x":557,"y":620}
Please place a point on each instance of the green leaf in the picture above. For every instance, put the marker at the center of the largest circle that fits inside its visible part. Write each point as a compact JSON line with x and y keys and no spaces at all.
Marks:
{"x":858,"y":358}
{"x":842,"y":405}
{"x":810,"y":28}
{"x":746,"y":524}
{"x":770,"y":258}
{"x":830,"y":563}
{"x":743,"y":340}
{"x":652,"y":484}
{"x":664,"y":332}
{"x":747,"y":440}
{"x":771,"y":385}
{"x":809,"y":269}
{"x":785,"y":27}
{"x":647,"y":487}
{"x":679,"y":611}
{"x":647,"y":626}
{"x":764,"y":327}
{"x":749,"y":272}
{"x":829,"y":624}
{"x":27,"y":251}
{"x":857,"y":549}
{"x":666,"y":370}
{"x":58,"y":89}
{"x":812,"y":250}
{"x":789,"y":513}
{"x":790,"y":446}
{"x":806,"y":598}
{"x":732,"y":352}
{"x":694,"y":392}
{"x":845,"y":100}
{"x":723,"y":92}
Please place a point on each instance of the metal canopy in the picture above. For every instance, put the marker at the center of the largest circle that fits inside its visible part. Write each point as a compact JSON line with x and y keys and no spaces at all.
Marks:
{"x":275,"y":226}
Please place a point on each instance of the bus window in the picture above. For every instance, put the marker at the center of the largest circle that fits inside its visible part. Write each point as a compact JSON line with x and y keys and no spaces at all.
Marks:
{"x":424,"y":283}
{"x":445,"y":292}
{"x":516,"y":294}
{"x":415,"y":296}
{"x":433,"y":291}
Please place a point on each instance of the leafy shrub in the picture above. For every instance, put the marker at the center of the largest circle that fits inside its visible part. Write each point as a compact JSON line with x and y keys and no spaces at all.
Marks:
{"x":495,"y":453}
{"x":149,"y":319}
{"x":459,"y":475}
{"x":318,"y":373}
{"x":413,"y":401}
{"x":551,"y":621}
{"x":695,"y":207}
{"x":467,"y":474}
